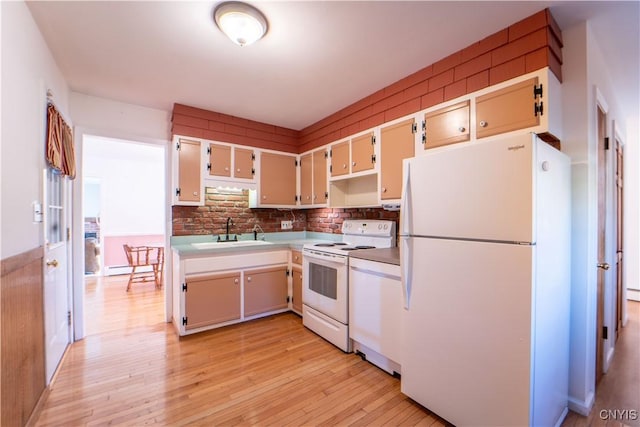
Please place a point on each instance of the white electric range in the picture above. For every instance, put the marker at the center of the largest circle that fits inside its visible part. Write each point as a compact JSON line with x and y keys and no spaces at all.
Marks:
{"x":325,"y":294}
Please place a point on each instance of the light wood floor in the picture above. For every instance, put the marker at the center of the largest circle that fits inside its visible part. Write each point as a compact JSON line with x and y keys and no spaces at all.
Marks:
{"x":133,"y":370}
{"x":271,"y":371}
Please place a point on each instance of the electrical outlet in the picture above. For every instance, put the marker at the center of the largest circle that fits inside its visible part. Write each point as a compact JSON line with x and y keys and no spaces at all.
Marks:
{"x":286,"y":225}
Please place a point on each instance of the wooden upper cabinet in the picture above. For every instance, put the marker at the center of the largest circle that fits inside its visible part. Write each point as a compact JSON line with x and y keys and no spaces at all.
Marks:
{"x":189,"y":185}
{"x":397,"y":142}
{"x":243,"y":163}
{"x":212,"y":299}
{"x":219,"y":160}
{"x":340,"y":159}
{"x":447,"y":125}
{"x":504,"y":110}
{"x":306,"y":179}
{"x":265,"y":290}
{"x":362,"y":158}
{"x":277,"y":179}
{"x":319,"y":177}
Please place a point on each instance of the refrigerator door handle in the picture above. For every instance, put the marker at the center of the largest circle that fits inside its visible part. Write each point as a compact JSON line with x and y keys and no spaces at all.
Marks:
{"x":405,"y":263}
{"x":405,"y":203}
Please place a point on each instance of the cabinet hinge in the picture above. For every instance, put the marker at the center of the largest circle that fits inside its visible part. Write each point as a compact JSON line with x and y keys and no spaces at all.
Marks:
{"x":414,"y":127}
{"x":69,"y":231}
{"x":184,"y":287}
{"x":178,"y":146}
{"x":289,"y":299}
{"x":330,"y":168}
{"x":177,"y":191}
{"x":69,"y":318}
{"x":297,"y":163}
{"x":373,"y":140}
{"x":373,"y":158}
{"x":184,"y":321}
{"x":538,"y":109}
{"x":209,"y":150}
{"x":253,"y":156}
{"x":606,"y":143}
{"x":288,"y":272}
{"x":208,"y":166}
{"x":253,"y":171}
{"x":295,"y":198}
{"x":424,"y":125}
{"x":537,"y":91}
{"x":330,"y":153}
{"x":326,"y":194}
{"x":424,"y":138}
{"x":605,"y":332}
{"x":326,"y":155}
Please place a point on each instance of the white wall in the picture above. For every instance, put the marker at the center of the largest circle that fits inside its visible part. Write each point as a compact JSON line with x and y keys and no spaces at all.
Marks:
{"x":132,"y":190}
{"x":585,"y":84}
{"x":28,"y":70}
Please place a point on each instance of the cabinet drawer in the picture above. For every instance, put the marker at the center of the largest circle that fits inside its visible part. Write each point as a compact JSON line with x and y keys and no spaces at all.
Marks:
{"x":296,"y":257}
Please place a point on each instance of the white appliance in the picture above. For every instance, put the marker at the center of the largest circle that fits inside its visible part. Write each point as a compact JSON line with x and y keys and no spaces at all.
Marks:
{"x":325,"y":283}
{"x":485,"y":257}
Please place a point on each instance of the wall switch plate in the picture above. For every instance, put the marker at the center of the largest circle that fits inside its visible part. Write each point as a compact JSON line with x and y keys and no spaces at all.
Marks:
{"x":286,"y":225}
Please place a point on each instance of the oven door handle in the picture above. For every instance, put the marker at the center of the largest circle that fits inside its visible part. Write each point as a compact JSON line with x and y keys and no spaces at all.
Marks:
{"x":325,"y":257}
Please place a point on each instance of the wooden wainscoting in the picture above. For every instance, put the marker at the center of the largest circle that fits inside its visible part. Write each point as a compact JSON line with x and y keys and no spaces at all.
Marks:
{"x":22,"y":348}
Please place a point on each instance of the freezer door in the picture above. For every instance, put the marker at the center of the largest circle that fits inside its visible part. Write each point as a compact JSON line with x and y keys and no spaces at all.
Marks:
{"x":466,"y":335}
{"x":482,"y":190}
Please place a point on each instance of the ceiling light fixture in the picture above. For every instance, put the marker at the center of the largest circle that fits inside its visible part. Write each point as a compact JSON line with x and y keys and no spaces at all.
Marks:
{"x":242,"y":23}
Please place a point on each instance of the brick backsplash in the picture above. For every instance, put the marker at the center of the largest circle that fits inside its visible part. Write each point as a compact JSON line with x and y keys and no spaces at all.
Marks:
{"x":220,"y":205}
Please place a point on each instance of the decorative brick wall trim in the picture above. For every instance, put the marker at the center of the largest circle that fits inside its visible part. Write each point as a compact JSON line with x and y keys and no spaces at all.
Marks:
{"x":199,"y":123}
{"x":528,"y":45}
{"x":212,"y":217}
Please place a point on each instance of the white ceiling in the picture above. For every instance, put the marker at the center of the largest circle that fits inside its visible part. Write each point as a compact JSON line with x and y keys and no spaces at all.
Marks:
{"x":318,"y":56}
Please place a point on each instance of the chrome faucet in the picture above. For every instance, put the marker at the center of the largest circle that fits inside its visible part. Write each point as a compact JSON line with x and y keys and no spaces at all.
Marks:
{"x":229,"y":224}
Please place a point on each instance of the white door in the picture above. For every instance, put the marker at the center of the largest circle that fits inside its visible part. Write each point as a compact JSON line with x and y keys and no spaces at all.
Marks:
{"x":56,"y":284}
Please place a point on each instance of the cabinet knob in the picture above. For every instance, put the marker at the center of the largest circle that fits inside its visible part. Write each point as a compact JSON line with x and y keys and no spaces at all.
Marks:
{"x":248,"y":278}
{"x":195,"y":193}
{"x":235,"y":281}
{"x":238,"y":170}
{"x":226,"y":169}
{"x":315,"y":197}
{"x":483,"y":124}
{"x":264,"y":197}
{"x":308,"y":197}
{"x":353,"y":163}
{"x":384,"y":189}
{"x":462,"y":129}
{"x":344,"y":166}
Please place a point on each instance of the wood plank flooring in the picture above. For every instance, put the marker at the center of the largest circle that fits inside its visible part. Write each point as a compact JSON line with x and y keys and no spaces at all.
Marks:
{"x":271,"y":371}
{"x":132,"y":369}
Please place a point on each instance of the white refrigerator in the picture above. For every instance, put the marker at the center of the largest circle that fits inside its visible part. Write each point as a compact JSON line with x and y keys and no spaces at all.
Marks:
{"x":485,"y":257}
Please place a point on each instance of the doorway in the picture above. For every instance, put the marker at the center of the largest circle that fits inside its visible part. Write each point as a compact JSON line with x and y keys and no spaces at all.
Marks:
{"x":602,"y":265}
{"x":123,"y":203}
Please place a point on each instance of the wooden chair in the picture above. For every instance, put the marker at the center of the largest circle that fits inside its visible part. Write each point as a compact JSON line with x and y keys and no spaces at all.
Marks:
{"x":145,"y":256}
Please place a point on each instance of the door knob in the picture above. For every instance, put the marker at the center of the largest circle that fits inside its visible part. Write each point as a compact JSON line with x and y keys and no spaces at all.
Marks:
{"x":53,"y":263}
{"x":603,"y":265}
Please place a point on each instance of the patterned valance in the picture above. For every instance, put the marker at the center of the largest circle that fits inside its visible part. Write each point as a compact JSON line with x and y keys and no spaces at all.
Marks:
{"x":60,"y":150}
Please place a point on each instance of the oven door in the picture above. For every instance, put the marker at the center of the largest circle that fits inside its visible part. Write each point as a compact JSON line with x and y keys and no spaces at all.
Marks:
{"x":325,"y":283}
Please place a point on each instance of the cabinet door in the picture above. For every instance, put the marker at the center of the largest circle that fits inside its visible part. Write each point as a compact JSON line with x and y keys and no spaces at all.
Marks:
{"x":277,"y":179}
{"x":189,"y":182}
{"x":296,"y":298}
{"x":219,"y":160}
{"x":243,"y":163}
{"x":396,"y":144}
{"x":340,"y":159}
{"x":306,"y":183}
{"x":265,"y":290}
{"x":362,"y":153}
{"x":507,"y":109}
{"x":212,"y":299}
{"x":447,"y":125}
{"x":319,"y":177}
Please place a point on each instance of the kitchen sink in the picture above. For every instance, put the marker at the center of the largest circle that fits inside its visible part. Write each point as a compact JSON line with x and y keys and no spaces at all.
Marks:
{"x":233,"y":243}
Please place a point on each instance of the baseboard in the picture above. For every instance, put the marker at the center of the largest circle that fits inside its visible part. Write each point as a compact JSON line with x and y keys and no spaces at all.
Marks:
{"x":35,"y":414}
{"x":608,"y":359}
{"x":582,"y":407}
{"x":633,"y":294}
{"x":562,"y":417}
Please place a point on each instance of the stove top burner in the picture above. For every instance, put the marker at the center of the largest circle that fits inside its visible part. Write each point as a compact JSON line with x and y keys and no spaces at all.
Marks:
{"x":365,"y":247}
{"x":348,"y":249}
{"x":324,"y":245}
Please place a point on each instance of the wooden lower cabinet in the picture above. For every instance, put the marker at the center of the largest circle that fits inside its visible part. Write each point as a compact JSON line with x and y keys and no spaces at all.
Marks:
{"x":212,"y":299}
{"x":296,"y":298}
{"x":265,"y":290}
